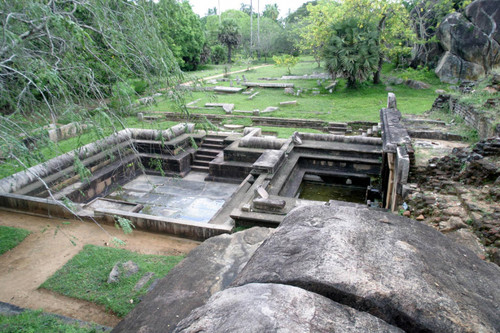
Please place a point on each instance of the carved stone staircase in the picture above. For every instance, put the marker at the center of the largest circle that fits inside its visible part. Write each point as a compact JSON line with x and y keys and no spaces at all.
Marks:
{"x":211,"y":146}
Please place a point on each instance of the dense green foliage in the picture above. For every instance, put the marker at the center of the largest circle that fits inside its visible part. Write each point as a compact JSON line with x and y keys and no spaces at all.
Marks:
{"x":181,"y":27}
{"x":39,"y":322}
{"x":352,"y":51}
{"x":85,"y":277}
{"x":11,"y":237}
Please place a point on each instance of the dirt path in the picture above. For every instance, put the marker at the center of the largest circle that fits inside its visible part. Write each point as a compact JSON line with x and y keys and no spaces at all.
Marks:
{"x":48,"y":248}
{"x":230,"y":73}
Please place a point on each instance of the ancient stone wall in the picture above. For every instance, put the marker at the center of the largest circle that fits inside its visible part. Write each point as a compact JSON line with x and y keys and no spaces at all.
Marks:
{"x":473,"y":117}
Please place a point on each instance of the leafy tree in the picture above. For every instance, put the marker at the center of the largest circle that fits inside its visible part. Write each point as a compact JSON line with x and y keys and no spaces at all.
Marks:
{"x":352,"y":51}
{"x":212,"y":11}
{"x":229,"y":35}
{"x":211,"y":25}
{"x":181,"y":27}
{"x":392,"y":21}
{"x":300,"y":13}
{"x":314,"y":28}
{"x":390,"y":17}
{"x":245,"y":8}
{"x":287,"y":61}
{"x":271,"y":11}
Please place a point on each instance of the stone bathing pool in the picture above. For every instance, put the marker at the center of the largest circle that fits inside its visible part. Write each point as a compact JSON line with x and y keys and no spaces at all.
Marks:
{"x":199,"y":184}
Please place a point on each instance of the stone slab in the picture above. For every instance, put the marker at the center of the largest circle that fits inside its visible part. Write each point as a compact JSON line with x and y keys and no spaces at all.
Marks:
{"x":227,"y":90}
{"x":268,"y":85}
{"x":277,"y":308}
{"x":401,"y":271}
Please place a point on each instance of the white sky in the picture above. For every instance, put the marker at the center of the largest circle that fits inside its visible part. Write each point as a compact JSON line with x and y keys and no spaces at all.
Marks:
{"x":200,"y":7}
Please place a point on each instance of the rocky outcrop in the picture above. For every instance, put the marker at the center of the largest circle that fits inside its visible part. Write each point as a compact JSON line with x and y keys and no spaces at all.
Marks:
{"x":394,"y":268}
{"x":278,"y":308}
{"x":209,"y":268}
{"x":471,"y":42}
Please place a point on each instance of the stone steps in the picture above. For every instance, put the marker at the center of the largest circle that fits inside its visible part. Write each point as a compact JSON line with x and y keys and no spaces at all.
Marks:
{"x":199,"y":168}
{"x":211,"y":146}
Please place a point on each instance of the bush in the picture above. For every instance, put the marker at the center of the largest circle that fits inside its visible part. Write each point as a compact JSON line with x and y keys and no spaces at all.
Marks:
{"x":218,"y":55}
{"x":140,"y":86}
{"x":287,"y":61}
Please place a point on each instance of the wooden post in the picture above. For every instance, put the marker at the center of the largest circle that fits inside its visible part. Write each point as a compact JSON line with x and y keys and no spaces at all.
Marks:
{"x":390,"y":186}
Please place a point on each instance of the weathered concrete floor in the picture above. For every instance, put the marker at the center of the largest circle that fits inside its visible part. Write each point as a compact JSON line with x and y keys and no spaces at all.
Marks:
{"x":189,"y":198}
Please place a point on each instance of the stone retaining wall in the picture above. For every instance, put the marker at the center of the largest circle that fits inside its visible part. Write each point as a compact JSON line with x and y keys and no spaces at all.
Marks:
{"x":474,"y":118}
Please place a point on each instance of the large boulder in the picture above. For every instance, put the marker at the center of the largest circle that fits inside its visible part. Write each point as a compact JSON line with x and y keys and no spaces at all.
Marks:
{"x":486,"y":16}
{"x":394,"y":268}
{"x":470,"y":42}
{"x":451,"y":68}
{"x":209,"y":268}
{"x":278,"y":308}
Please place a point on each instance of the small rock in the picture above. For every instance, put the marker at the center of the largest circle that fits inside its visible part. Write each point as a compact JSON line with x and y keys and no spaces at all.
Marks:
{"x":420,"y":218}
{"x":490,"y":90}
{"x":440,"y":91}
{"x":114,"y":275}
{"x":144,"y":279}
{"x":384,"y":220}
{"x":406,"y":213}
{"x":417,"y":84}
{"x":454,"y":223}
{"x":129,"y":268}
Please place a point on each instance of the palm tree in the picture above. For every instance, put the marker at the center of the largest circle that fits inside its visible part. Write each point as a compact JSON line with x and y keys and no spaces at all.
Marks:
{"x":352,"y":51}
{"x":229,"y":35}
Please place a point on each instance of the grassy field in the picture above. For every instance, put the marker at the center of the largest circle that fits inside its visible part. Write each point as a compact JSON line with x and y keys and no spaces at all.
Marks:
{"x":39,"y":322}
{"x":85,"y":277}
{"x":344,"y":104}
{"x":11,"y":237}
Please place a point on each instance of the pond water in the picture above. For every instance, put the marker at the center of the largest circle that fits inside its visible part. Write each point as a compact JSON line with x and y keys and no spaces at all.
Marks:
{"x":324,"y":192}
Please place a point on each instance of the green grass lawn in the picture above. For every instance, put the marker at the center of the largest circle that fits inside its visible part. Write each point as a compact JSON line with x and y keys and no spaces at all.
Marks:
{"x":85,"y":277}
{"x":39,"y":322}
{"x":344,"y":104}
{"x":11,"y":237}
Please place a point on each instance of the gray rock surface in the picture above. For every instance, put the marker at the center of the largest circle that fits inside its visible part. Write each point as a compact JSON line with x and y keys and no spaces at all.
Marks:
{"x":403,"y":272}
{"x":143,"y":280}
{"x":471,"y":42}
{"x":278,"y":308}
{"x":466,"y":238}
{"x":209,"y":268}
{"x":127,"y":269}
{"x":414,"y":84}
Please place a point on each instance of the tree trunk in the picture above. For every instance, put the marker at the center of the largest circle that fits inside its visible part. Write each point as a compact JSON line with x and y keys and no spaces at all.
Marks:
{"x":376,"y":75}
{"x":229,"y":54}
